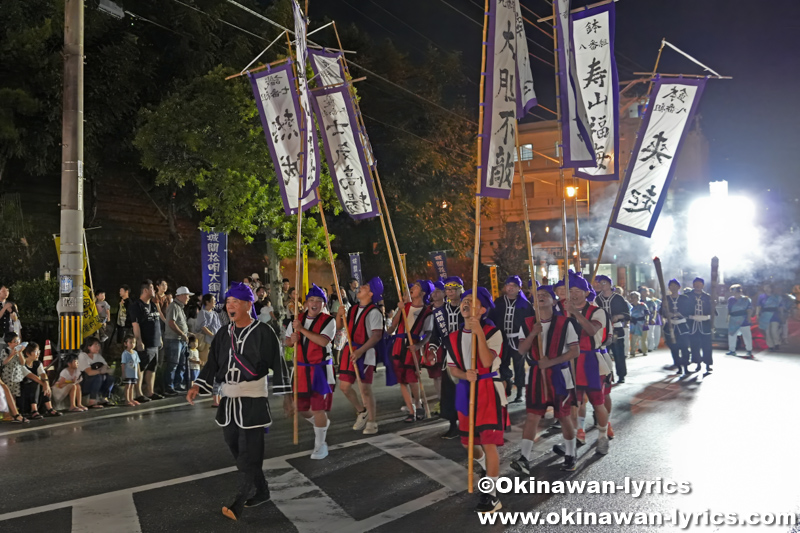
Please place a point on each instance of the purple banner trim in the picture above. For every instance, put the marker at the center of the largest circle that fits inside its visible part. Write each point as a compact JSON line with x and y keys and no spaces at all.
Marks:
{"x":351,"y":115}
{"x":700,"y":84}
{"x":328,"y":55}
{"x":270,"y":144}
{"x":488,"y":88}
{"x":614,"y":90}
{"x":567,"y":83}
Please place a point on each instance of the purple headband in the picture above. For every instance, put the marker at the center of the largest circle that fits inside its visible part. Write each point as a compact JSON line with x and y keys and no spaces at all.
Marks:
{"x":603,"y":277}
{"x":701,"y":280}
{"x":427,"y":288}
{"x":675,"y":281}
{"x":240,"y":291}
{"x":438,"y":285}
{"x":454,"y":282}
{"x":484,"y":296}
{"x":548,"y":289}
{"x":316,"y":292}
{"x":376,"y":287}
{"x":514,"y":279}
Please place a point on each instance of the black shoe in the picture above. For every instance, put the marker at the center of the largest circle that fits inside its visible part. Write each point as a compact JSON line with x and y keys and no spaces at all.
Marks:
{"x":681,"y":371}
{"x":170,"y":392}
{"x":420,"y":414}
{"x":521,"y":465}
{"x":579,"y":443}
{"x":518,"y":399}
{"x":488,"y":504}
{"x":620,"y":380}
{"x":234,"y":511}
{"x":558,"y":449}
{"x":156,"y":396}
{"x":556,"y":426}
{"x":409,"y":419}
{"x":569,"y":463}
{"x":696,"y":368}
{"x":258,"y":499}
{"x":142,"y":399}
{"x":452,"y":433}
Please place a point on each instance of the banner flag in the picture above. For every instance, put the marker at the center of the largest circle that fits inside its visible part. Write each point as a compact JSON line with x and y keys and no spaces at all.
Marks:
{"x":495,"y":284}
{"x":214,"y":265}
{"x":326,"y":67}
{"x":310,"y":149}
{"x":279,"y":108}
{"x":672,"y":105}
{"x":578,"y":150}
{"x":439,"y":260}
{"x":344,"y":151}
{"x":355,"y":267}
{"x":508,"y":95}
{"x":593,"y":41}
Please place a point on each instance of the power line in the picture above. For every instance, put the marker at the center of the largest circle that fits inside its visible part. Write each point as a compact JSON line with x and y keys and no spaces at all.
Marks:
{"x":220,"y":20}
{"x":464,"y":14}
{"x":414,"y":135}
{"x":351,"y":6}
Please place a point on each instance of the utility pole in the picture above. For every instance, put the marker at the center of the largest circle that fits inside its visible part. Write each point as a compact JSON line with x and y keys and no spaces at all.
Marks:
{"x":71,"y":252}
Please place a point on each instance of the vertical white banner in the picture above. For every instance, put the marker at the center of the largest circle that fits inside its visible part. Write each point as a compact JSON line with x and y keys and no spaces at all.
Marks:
{"x":311,"y":150}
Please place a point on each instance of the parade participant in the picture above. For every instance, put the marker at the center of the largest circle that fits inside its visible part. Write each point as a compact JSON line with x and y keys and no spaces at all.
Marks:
{"x":768,"y":312}
{"x":509,"y":314}
{"x":654,"y":333}
{"x":640,"y":316}
{"x":240,"y":358}
{"x":700,"y":325}
{"x":591,"y":323}
{"x":561,"y":294}
{"x":556,"y":390}
{"x":364,"y":324}
{"x":617,"y":308}
{"x":433,"y":358}
{"x":421,"y":321}
{"x":446,"y":320}
{"x":311,"y":334}
{"x":679,"y":307}
{"x":740,"y":310}
{"x":490,"y":399}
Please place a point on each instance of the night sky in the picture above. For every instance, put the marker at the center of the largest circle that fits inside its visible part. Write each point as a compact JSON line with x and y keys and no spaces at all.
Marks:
{"x":750,"y":121}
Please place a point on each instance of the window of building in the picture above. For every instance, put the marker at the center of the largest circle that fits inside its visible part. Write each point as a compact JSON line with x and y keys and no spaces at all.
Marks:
{"x":527,"y":152}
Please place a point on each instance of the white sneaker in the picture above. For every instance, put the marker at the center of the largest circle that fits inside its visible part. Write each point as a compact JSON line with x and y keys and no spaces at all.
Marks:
{"x":321,"y":452}
{"x":548,"y":414}
{"x":404,"y":409}
{"x":602,"y":445}
{"x":361,"y":421}
{"x":371,"y":429}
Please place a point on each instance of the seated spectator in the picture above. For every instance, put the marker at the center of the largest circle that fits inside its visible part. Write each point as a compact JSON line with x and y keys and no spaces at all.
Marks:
{"x":9,"y":407}
{"x":69,"y":384}
{"x":13,"y":362}
{"x":97,"y":378}
{"x":35,"y":386}
{"x":130,"y":370}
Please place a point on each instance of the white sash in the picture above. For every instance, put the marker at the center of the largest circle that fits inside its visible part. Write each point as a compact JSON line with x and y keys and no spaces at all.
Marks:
{"x":246,"y":389}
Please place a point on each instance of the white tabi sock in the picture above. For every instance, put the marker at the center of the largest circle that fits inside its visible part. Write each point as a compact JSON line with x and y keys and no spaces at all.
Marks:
{"x":569,"y":446}
{"x":581,"y":421}
{"x":319,"y":435}
{"x":525,"y":447}
{"x":603,"y":430}
{"x":494,"y":486}
{"x":482,"y":461}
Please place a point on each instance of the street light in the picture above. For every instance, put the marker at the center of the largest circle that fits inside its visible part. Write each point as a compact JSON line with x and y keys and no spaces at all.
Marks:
{"x":571,"y":191}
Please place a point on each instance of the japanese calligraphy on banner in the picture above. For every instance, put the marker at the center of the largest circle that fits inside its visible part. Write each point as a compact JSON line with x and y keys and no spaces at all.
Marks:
{"x":673,"y":103}
{"x":495,"y":284}
{"x":355,"y":267}
{"x":576,"y":141}
{"x":279,"y":109}
{"x":593,"y":40}
{"x":326,"y":66}
{"x":439,"y":260}
{"x":214,"y":264}
{"x":344,"y":151}
{"x":310,"y":150}
{"x":508,"y":95}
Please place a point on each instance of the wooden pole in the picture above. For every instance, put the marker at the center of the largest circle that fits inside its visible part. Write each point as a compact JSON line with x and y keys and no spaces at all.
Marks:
{"x":576,"y":10}
{"x":622,"y":180}
{"x":298,"y":244}
{"x":530,"y":250}
{"x":373,"y":172}
{"x":577,"y":261}
{"x":262,"y":67}
{"x":477,"y":253}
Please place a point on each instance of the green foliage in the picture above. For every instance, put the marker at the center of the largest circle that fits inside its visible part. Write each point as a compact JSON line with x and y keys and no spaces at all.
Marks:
{"x":207,"y":136}
{"x":35,"y":299}
{"x":510,"y":254}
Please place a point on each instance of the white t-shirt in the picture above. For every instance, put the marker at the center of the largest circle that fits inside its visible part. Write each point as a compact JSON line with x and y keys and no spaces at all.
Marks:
{"x":572,"y":336}
{"x":427,"y":326}
{"x":374,"y":322}
{"x":328,"y":331}
{"x":265,"y":315}
{"x":601,"y":317}
{"x":70,"y":376}
{"x":494,"y":341}
{"x":84,"y":361}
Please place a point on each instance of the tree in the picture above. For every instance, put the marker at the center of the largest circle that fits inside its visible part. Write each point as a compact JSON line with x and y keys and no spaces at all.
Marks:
{"x":510,"y":254}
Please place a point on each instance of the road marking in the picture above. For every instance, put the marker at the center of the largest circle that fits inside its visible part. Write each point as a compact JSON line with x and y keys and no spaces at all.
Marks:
{"x":398,"y":512}
{"x":113,"y":512}
{"x":441,"y":469}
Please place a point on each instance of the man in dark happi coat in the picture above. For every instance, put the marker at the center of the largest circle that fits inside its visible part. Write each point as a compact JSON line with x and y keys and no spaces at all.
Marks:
{"x":700,"y":325}
{"x":509,"y":314}
{"x":674,"y":309}
{"x":239,"y":360}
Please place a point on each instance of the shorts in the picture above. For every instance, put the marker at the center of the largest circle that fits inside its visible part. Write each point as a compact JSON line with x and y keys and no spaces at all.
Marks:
{"x":490,"y":436}
{"x":404,"y":374}
{"x":596,"y":397}
{"x":562,"y":406}
{"x":366,"y":379}
{"x":148,"y":359}
{"x":130,"y":381}
{"x":317,"y":402}
{"x":434,"y":372}
{"x":607,"y":385}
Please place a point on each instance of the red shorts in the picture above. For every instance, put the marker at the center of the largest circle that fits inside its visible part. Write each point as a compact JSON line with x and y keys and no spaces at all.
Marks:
{"x":434,"y":372}
{"x":607,"y":385}
{"x":404,"y":374}
{"x":596,"y":397}
{"x":366,"y":379}
{"x":561,"y":407}
{"x":317,"y":402}
{"x":492,"y":436}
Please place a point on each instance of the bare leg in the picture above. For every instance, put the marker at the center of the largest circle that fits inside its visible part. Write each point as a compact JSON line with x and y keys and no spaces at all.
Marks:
{"x":492,"y":460}
{"x":531,"y":427}
{"x":12,"y":405}
{"x":350,"y":394}
{"x":369,"y":401}
{"x":407,"y":398}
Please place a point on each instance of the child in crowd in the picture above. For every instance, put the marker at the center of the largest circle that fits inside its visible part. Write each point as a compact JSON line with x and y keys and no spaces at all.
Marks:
{"x":639,"y":321}
{"x":68,"y":384}
{"x":194,"y":359}
{"x":130,"y":369}
{"x":103,"y":313}
{"x":13,"y":362}
{"x":35,"y":385}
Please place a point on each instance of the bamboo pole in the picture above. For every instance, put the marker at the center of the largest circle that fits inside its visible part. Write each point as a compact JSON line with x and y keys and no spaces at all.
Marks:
{"x":296,"y":428}
{"x":576,"y":10}
{"x":373,"y":172}
{"x":477,"y":253}
{"x":530,"y":251}
{"x":577,"y":261}
{"x":622,"y":178}
{"x":262,"y":67}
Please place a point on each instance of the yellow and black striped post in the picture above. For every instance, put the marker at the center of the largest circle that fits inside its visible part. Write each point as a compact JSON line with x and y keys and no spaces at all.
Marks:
{"x":71,"y":332}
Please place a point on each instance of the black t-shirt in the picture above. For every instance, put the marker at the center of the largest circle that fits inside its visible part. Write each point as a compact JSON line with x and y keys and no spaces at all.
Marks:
{"x":146,"y":315}
{"x":5,"y":320}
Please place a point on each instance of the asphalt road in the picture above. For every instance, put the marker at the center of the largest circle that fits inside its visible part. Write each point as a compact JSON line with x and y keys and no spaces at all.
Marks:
{"x":164,"y":467}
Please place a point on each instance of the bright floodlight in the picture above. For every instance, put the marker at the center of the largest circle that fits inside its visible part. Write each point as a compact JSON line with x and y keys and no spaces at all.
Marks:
{"x":722,"y":226}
